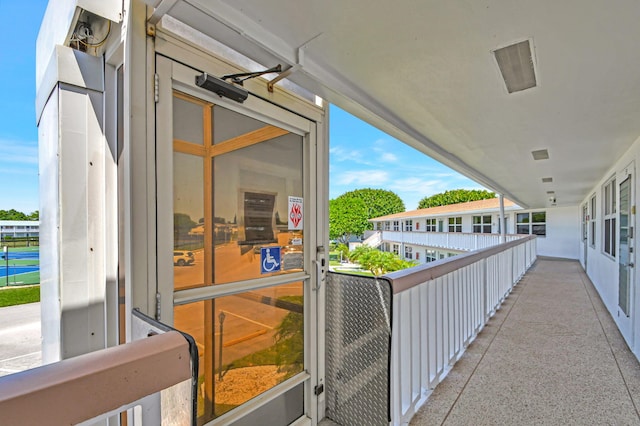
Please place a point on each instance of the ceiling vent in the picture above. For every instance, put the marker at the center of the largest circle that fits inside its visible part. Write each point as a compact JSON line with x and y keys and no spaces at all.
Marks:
{"x":547,"y":180}
{"x":516,"y":65}
{"x":542,"y":154}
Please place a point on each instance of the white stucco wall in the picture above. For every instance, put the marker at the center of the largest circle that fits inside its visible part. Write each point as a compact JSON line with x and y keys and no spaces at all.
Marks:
{"x":563,"y":233}
{"x":602,"y":268}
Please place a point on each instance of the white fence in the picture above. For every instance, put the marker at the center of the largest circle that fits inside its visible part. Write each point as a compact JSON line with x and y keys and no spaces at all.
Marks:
{"x":439,"y":308}
{"x":452,"y":240}
{"x":373,"y":240}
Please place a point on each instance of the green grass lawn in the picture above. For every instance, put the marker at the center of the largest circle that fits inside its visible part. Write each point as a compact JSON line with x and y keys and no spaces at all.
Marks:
{"x":19,"y":296}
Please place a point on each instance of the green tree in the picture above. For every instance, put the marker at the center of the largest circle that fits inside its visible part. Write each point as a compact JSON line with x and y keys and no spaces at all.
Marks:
{"x":350,"y":212}
{"x":182,"y":224}
{"x":35,"y":215}
{"x":347,"y":217}
{"x":13,"y":215}
{"x":455,"y":196}
{"x":378,"y":262}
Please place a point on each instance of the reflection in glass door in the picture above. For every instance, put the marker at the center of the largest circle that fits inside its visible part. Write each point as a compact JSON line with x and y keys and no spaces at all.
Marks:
{"x":624,"y":280}
{"x":237,"y":182}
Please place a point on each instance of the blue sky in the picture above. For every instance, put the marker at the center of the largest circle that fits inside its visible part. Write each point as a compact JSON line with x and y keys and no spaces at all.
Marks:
{"x":361,"y":156}
{"x":18,"y":131}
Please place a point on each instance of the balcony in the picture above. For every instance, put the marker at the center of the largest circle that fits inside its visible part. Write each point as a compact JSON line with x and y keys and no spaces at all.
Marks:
{"x":447,"y":240}
{"x":474,"y":335}
{"x":551,"y":355}
{"x":495,"y":331}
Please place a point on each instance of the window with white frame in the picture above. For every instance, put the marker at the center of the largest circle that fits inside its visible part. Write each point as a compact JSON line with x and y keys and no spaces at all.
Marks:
{"x":387,"y":226}
{"x":534,"y":223}
{"x":455,"y":224}
{"x":396,"y":249}
{"x":592,"y":222}
{"x":430,"y":255}
{"x":609,"y":218}
{"x":408,"y":225}
{"x":431,"y":225}
{"x":482,"y":224}
{"x":379,"y":226}
{"x":396,"y":225}
{"x":408,"y":252}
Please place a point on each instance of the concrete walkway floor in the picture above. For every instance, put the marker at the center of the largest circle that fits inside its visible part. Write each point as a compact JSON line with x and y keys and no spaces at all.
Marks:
{"x":552,"y":355}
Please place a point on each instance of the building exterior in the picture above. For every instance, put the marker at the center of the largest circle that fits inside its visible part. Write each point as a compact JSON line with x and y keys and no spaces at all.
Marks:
{"x":435,"y":233}
{"x":145,"y":132}
{"x":19,"y":228}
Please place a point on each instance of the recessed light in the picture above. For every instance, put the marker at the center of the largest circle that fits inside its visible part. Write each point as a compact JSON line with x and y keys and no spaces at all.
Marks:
{"x":541,"y":154}
{"x":547,"y":180}
{"x":551,"y":192}
{"x":516,"y":66}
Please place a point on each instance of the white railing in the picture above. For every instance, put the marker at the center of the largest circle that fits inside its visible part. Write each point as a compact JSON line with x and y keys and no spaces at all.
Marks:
{"x":373,"y":240}
{"x":439,"y":308}
{"x":451,"y":240}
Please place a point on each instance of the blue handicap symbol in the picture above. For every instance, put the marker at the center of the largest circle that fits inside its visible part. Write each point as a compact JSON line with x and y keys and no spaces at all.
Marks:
{"x":269,"y":259}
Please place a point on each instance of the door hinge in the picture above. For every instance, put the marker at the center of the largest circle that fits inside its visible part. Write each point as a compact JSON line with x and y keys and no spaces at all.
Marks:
{"x":318,"y":389}
{"x":158,"y":300}
{"x":156,"y":87}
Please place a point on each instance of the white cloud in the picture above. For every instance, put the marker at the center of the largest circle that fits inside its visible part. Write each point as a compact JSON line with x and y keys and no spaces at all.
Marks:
{"x":388,"y":157}
{"x":340,"y":154}
{"x":15,"y":153}
{"x":361,"y":178}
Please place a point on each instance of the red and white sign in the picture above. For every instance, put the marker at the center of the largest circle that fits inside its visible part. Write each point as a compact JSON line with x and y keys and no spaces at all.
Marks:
{"x":295,"y":213}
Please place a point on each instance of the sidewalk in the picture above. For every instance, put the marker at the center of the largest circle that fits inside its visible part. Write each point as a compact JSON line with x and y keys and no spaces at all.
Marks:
{"x":552,"y":355}
{"x":20,"y":338}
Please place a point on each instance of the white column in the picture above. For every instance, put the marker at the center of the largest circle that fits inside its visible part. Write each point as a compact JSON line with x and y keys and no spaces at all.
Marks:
{"x":72,"y":214}
{"x":503,"y":231}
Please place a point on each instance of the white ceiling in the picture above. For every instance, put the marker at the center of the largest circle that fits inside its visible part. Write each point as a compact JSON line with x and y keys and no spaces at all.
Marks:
{"x":423,"y":71}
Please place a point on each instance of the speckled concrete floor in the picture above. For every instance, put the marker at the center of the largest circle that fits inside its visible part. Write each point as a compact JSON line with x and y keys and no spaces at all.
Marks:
{"x":552,"y":355}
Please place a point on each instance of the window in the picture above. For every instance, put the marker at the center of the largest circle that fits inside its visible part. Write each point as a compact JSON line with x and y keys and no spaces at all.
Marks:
{"x":455,"y":224}
{"x":430,"y":255}
{"x":396,"y":225}
{"x":609,"y":218}
{"x":482,"y":224}
{"x":431,"y":225}
{"x":408,"y":252}
{"x":534,"y":223}
{"x":592,"y":220}
{"x":396,"y":249}
{"x":408,"y":225}
{"x":387,"y":226}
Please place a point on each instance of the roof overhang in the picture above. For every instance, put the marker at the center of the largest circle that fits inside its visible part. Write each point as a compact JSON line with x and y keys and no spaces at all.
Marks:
{"x":425,"y":73}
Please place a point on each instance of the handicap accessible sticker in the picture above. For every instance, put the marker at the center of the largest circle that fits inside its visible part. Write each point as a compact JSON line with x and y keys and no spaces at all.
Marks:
{"x":269,"y":260}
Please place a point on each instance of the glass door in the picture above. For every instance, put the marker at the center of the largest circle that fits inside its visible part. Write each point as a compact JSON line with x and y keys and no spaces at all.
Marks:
{"x":625,"y":256}
{"x":239,"y":279}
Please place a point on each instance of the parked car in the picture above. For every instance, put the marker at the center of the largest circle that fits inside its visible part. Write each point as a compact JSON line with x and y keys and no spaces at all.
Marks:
{"x":183,"y":258}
